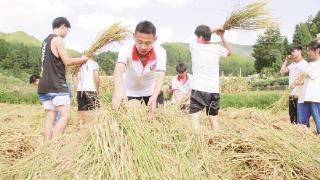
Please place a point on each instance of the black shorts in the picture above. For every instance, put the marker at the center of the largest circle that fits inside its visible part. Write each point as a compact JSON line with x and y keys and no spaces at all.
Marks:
{"x":200,"y":100}
{"x":87,"y":100}
{"x":145,"y":99}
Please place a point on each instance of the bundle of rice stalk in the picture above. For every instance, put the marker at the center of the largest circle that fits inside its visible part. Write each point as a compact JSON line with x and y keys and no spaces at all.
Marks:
{"x":281,"y":104}
{"x":115,"y":33}
{"x":283,"y":101}
{"x":128,"y":145}
{"x":234,"y":85}
{"x":253,"y":16}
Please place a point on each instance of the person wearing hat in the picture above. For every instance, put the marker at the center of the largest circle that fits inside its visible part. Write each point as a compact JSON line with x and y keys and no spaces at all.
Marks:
{"x":293,"y":65}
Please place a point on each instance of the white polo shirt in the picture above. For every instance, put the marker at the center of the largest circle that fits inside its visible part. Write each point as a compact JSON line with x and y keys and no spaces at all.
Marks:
{"x":311,"y":87}
{"x":295,"y":70}
{"x":86,"y":81}
{"x":205,"y":66}
{"x":139,"y":80}
{"x":178,"y":85}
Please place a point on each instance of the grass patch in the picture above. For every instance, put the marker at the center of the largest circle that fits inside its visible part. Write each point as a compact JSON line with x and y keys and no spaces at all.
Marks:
{"x":257,"y":99}
{"x":17,"y":97}
{"x":259,"y":83}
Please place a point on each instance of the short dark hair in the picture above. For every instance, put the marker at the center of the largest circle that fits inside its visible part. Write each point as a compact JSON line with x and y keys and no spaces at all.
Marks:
{"x":33,"y":78}
{"x":59,"y":21}
{"x":297,"y":47}
{"x":146,"y":27}
{"x":181,"y":68}
{"x":203,"y":31}
{"x":314,"y":45}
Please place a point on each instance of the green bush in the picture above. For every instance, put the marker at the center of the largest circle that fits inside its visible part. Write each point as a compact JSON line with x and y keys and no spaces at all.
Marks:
{"x":8,"y":78}
{"x":258,"y":99}
{"x":269,"y":82}
{"x":16,"y":97}
{"x":237,"y":65}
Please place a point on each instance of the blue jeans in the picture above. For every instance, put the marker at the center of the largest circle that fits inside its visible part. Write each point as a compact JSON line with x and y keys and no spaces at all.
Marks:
{"x":305,"y":110}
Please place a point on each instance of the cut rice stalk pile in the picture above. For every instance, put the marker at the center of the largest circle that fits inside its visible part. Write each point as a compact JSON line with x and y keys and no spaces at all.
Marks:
{"x":15,"y":144}
{"x":128,"y":145}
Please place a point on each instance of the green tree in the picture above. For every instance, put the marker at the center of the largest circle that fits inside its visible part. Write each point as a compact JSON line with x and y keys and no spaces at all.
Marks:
{"x":8,"y":61}
{"x":106,"y":61}
{"x":235,"y":64}
{"x":302,"y":35}
{"x":268,"y":50}
{"x":16,"y":69}
{"x":34,"y":60}
{"x":4,"y":49}
{"x":286,"y":46}
{"x":315,"y":25}
{"x":177,"y":53}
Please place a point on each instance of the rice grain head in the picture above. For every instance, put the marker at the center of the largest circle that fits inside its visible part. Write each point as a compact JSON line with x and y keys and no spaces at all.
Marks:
{"x":253,"y":16}
{"x":115,"y":33}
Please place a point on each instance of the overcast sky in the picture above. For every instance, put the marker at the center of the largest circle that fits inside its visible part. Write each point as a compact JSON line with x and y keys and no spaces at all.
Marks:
{"x":175,"y":19}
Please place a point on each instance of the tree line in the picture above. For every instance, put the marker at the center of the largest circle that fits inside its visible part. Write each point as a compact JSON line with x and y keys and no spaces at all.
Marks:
{"x":269,"y":51}
{"x":271,"y":47}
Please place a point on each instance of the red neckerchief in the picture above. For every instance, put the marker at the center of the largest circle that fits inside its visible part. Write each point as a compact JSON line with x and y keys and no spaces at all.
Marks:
{"x":201,"y":41}
{"x":151,"y":55}
{"x":298,"y":60}
{"x":183,"y":81}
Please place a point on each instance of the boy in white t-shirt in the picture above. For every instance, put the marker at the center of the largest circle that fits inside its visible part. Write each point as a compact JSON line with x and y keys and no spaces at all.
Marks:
{"x":205,"y":68}
{"x":145,"y":67}
{"x":87,"y":85}
{"x":180,"y":85}
{"x":294,"y":69}
{"x":309,"y":99}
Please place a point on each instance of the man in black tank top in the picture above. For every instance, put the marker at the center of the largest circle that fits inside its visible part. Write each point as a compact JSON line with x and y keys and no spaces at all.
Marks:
{"x":52,"y":90}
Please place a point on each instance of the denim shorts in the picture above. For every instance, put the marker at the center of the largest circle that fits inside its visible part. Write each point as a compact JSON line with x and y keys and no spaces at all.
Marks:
{"x":50,"y":101}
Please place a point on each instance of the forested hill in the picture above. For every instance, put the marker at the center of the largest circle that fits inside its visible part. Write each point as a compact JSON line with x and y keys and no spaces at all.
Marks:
{"x":20,"y":53}
{"x":20,"y":37}
{"x":242,"y":50}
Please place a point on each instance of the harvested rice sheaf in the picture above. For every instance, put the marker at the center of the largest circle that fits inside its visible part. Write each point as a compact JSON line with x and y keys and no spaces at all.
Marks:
{"x":115,"y":33}
{"x":253,"y":16}
{"x":128,"y":145}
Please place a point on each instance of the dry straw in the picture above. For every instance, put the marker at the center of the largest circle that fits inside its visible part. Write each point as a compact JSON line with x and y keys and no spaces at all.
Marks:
{"x":253,"y":16}
{"x":128,"y":145}
{"x":14,"y":144}
{"x":234,"y":85}
{"x":281,"y":104}
{"x":115,"y":33}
